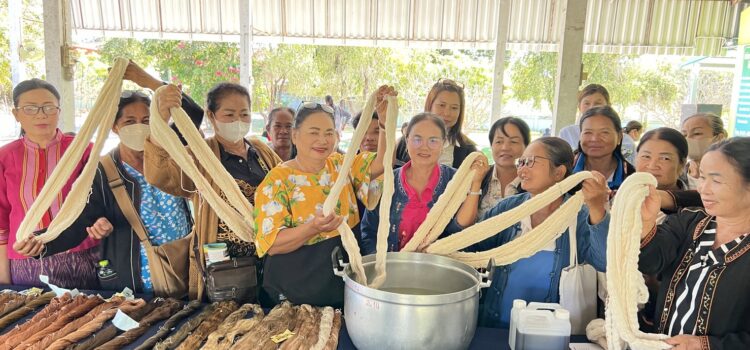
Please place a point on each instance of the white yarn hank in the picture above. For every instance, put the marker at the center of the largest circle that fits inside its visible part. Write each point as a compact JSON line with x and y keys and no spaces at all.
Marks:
{"x":490,"y":227}
{"x":238,"y":213}
{"x":449,"y":202}
{"x":100,"y":119}
{"x":625,"y":283}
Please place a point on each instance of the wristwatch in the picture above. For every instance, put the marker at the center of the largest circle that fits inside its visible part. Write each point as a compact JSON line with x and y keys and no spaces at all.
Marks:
{"x":477,"y":193}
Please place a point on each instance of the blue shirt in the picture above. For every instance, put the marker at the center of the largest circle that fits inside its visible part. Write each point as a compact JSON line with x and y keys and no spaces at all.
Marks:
{"x":164,"y":216}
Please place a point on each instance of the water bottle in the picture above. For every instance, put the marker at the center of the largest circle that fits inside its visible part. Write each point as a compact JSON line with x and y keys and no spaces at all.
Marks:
{"x":105,"y":272}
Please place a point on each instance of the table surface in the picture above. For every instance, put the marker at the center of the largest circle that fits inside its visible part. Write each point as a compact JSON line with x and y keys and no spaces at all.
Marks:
{"x":484,"y":338}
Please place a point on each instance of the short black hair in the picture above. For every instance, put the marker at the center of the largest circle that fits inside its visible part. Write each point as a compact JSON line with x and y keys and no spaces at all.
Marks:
{"x":355,"y":120}
{"x":221,"y":90}
{"x":434,"y":118}
{"x":674,"y":137}
{"x":518,"y":122}
{"x":273,"y":112}
{"x":133,"y":98}
{"x":632,"y":125}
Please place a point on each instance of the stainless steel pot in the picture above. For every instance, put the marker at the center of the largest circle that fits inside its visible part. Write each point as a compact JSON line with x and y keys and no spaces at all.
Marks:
{"x":426,"y":302}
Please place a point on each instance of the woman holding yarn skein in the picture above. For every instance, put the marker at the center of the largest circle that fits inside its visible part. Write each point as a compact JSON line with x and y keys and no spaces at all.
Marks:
{"x":292,"y":232}
{"x":418,"y":185}
{"x":247,"y":160}
{"x":702,"y":255}
{"x":545,"y":162}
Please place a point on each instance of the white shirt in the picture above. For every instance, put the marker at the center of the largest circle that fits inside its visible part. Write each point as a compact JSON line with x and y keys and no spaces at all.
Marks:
{"x":571,"y":134}
{"x":495,"y":194}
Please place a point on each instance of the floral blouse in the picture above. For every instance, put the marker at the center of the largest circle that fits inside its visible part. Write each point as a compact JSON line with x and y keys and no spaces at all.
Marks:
{"x":288,"y":197}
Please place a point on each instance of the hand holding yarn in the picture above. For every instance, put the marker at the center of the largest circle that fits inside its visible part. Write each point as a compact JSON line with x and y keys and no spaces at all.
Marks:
{"x":168,"y":98}
{"x":650,"y":209}
{"x":382,"y":102}
{"x":30,"y":246}
{"x":325,"y":223}
{"x":480,"y":165}
{"x":596,"y":195}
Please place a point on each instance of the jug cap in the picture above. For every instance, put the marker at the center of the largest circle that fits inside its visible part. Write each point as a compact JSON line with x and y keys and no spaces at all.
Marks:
{"x":562,"y":314}
{"x":519,"y":303}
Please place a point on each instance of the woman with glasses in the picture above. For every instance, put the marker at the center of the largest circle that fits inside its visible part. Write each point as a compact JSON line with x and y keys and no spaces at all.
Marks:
{"x":509,"y":137}
{"x":544,"y":163}
{"x":247,"y":160}
{"x":600,"y":146}
{"x":165,"y":217}
{"x":446,"y":99}
{"x":418,"y":185}
{"x":291,"y":230}
{"x":25,"y":165}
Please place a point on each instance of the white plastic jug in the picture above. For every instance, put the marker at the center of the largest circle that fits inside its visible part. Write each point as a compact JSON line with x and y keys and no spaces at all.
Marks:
{"x":542,"y":328}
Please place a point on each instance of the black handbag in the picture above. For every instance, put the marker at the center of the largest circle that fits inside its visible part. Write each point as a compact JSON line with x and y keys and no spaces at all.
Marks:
{"x":234,"y":279}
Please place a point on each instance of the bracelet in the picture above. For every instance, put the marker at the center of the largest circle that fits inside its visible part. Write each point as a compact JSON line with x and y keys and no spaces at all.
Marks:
{"x":477,"y":193}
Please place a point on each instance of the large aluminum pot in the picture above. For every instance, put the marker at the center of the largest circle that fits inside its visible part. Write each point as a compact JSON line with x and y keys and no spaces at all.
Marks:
{"x":426,"y":302}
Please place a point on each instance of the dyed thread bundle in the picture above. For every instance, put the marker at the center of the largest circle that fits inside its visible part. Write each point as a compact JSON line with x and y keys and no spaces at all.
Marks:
{"x":306,"y":329}
{"x":186,"y":311}
{"x":196,"y":338}
{"x":277,"y":321}
{"x":214,"y":339}
{"x":26,"y":309}
{"x":177,"y":337}
{"x":15,"y":335}
{"x":160,"y":313}
{"x":108,"y":333}
{"x":238,"y":330}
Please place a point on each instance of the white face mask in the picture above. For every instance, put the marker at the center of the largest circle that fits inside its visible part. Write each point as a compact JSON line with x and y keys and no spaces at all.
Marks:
{"x":134,"y":136}
{"x":232,"y":132}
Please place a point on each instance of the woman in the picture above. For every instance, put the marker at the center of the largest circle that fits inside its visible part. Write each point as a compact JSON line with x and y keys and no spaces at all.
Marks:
{"x":663,"y":153}
{"x":544,"y":163}
{"x":247,"y":160}
{"x":165,"y":217}
{"x":372,"y":135}
{"x":701,"y":130}
{"x":446,"y":99}
{"x":25,"y":165}
{"x":599,"y":148}
{"x":509,"y":137}
{"x":418,"y":185}
{"x":290,"y":226}
{"x":634,"y":130}
{"x":701,"y":255}
{"x":591,"y":96}
{"x":279,"y":129}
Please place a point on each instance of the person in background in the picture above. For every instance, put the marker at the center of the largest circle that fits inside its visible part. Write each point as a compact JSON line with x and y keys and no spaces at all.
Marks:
{"x":701,"y":130}
{"x":634,"y":129}
{"x":340,"y":116}
{"x":25,"y":166}
{"x":545,"y":162}
{"x":600,"y":146}
{"x":418,"y":185}
{"x":279,"y":129}
{"x":701,"y":255}
{"x":446,"y":99}
{"x":630,"y":135}
{"x":509,"y":137}
{"x":591,"y":96}
{"x":370,"y":141}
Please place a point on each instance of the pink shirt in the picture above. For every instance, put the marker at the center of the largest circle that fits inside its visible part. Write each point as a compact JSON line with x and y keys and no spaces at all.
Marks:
{"x":24,"y":169}
{"x":416,"y":208}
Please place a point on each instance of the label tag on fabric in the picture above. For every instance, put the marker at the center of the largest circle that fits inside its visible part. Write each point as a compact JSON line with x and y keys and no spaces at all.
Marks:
{"x":123,"y":322}
{"x":278,"y":338}
{"x":58,"y":291}
{"x":126,"y":293}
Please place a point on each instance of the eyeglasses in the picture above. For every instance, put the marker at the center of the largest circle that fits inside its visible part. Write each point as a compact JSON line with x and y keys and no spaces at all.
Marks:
{"x":449,"y":82}
{"x":433,"y":143}
{"x":315,"y":105}
{"x":528,"y":161}
{"x":131,"y":93}
{"x":48,"y":110}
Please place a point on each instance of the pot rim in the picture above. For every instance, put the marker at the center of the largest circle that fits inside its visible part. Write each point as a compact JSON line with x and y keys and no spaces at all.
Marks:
{"x":408,"y":299}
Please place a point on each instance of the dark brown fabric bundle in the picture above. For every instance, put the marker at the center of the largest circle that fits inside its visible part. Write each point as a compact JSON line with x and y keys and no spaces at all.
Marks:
{"x":333,"y":341}
{"x":62,"y":320}
{"x":26,"y":309}
{"x":306,"y":329}
{"x":169,"y":307}
{"x":171,"y":323}
{"x":177,"y":337}
{"x":281,"y":318}
{"x":107,"y":333}
{"x":195,"y":339}
{"x":54,"y":305}
{"x":215,"y":339}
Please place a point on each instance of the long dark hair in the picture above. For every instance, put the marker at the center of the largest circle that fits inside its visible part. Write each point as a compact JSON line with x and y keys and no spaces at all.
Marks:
{"x":454,"y":134}
{"x":500,"y":124}
{"x":221,"y":90}
{"x":33,"y":84}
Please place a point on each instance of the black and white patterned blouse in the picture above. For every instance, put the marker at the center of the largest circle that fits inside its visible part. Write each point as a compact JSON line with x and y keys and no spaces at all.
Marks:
{"x":694,"y":288}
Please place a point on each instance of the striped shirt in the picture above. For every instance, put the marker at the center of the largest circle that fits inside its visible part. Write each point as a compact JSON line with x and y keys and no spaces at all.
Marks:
{"x":691,"y":291}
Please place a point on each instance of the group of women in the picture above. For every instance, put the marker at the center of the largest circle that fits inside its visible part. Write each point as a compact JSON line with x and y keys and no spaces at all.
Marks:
{"x":695,"y":222}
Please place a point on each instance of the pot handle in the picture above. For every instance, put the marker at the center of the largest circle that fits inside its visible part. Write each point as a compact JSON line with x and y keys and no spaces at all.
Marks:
{"x":487,"y":275}
{"x":337,"y":259}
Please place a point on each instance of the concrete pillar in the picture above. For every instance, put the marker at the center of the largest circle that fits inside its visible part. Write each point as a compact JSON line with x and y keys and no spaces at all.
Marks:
{"x":14,"y":28}
{"x":503,"y":24}
{"x":57,"y":62}
{"x":246,"y":45}
{"x":569,"y":63}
